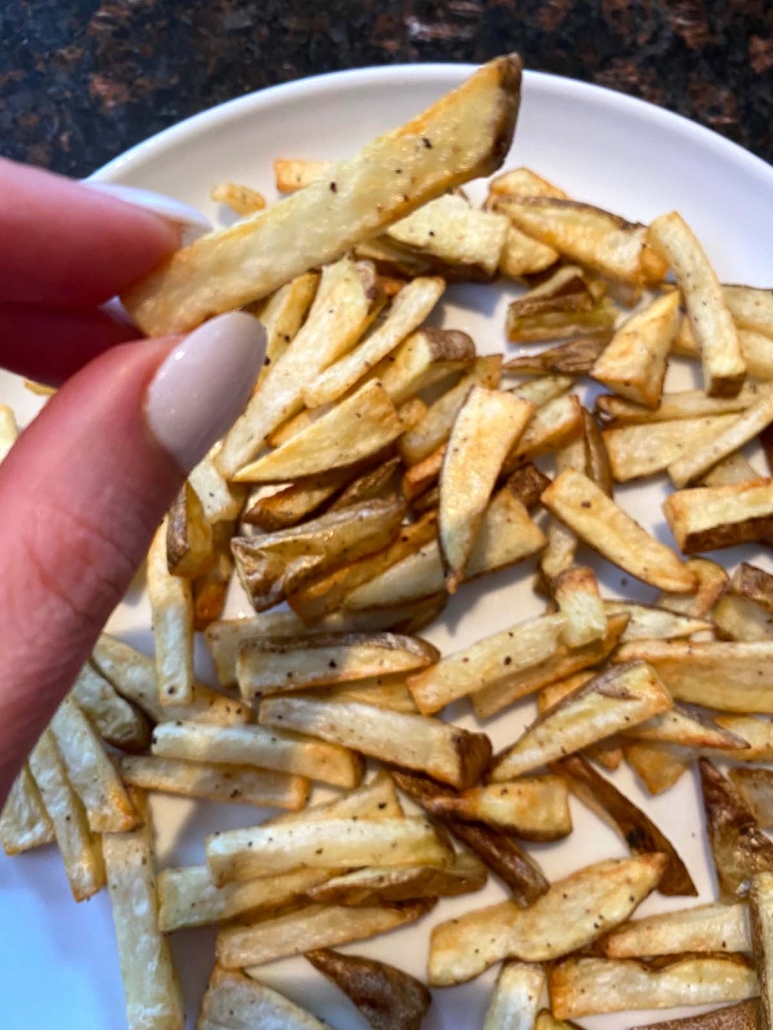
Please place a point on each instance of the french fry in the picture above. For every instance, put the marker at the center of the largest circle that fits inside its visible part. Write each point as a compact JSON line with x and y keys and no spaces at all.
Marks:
{"x":427,"y":357}
{"x":685,"y":727}
{"x":658,"y":766}
{"x":523,"y":182}
{"x":9,"y":430}
{"x":744,"y":1016}
{"x":738,"y":618}
{"x":267,"y":666}
{"x":222,"y":501}
{"x":254,"y":746}
{"x":756,"y":789}
{"x":637,"y":830}
{"x":227,"y":783}
{"x":243,"y":200}
{"x":648,"y":622}
{"x":376,"y":885}
{"x":706,"y":928}
{"x":171,"y":603}
{"x":556,"y":325}
{"x":502,"y":656}
{"x":486,"y":428}
{"x":526,"y":484}
{"x":751,"y":308}
{"x":758,"y":733}
{"x":723,"y":366}
{"x":696,"y":463}
{"x":211,"y":588}
{"x":523,"y":255}
{"x":391,"y":259}
{"x":273,"y":566}
{"x":575,"y":358}
{"x":606,"y":705}
{"x":116,"y":720}
{"x":711,"y":582}
{"x":739,"y":848}
{"x":643,"y":449}
{"x":91,"y":772}
{"x":469,"y":132}
{"x":735,"y":468}
{"x":387,"y":997}
{"x":634,"y":363}
{"x":566,"y":661}
{"x":152,"y":991}
{"x":755,"y":350}
{"x":563,"y":290}
{"x":380,"y":482}
{"x":596,"y":519}
{"x":133,"y":675}
{"x":552,"y":426}
{"x":755,"y":584}
{"x":81,"y":852}
{"x":423,"y":476}
{"x":516,"y":997}
{"x":542,"y":388}
{"x":530,"y":809}
{"x":282,"y":314}
{"x":673,"y":406}
{"x":586,"y":986}
{"x":446,"y":753}
{"x":24,"y":822}
{"x":274,"y":509}
{"x":382,"y":691}
{"x":575,"y":912}
{"x":239,"y":1002}
{"x":315,"y":926}
{"x":238,"y":855}
{"x":292,"y":174}
{"x":598,"y":466}
{"x":517,"y":869}
{"x":731,"y":677}
{"x":562,"y":543}
{"x":576,"y":593}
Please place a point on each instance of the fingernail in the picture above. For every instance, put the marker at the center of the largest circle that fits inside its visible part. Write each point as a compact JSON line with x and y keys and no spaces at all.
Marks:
{"x":204,"y":385}
{"x":192,"y":222}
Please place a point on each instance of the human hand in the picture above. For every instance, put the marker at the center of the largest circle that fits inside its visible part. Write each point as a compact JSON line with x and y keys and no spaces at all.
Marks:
{"x":85,"y":486}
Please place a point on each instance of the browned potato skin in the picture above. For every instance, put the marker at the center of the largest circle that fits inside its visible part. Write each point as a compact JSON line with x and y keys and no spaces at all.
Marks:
{"x":744,"y":1016}
{"x":527,"y":485}
{"x":754,"y":583}
{"x":598,"y":467}
{"x":388,"y":998}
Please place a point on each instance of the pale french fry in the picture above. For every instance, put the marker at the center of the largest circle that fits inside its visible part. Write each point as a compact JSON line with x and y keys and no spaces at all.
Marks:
{"x":133,"y":675}
{"x":643,"y":449}
{"x":728,"y":676}
{"x":116,"y":720}
{"x":658,"y":766}
{"x":636,"y":828}
{"x":588,"y":512}
{"x":712,"y":581}
{"x":609,"y":703}
{"x":502,"y":656}
{"x":575,"y":358}
{"x":469,"y":132}
{"x":724,"y":368}
{"x":685,"y":727}
{"x":575,"y":912}
{"x":756,"y":788}
{"x":758,"y":733}
{"x":445,"y":752}
{"x":744,"y":1016}
{"x":243,"y":200}
{"x":587,"y":986}
{"x":227,"y":783}
{"x":751,"y":308}
{"x":255,"y":746}
{"x":648,"y":622}
{"x":171,"y":603}
{"x":24,"y":822}
{"x":755,"y":350}
{"x":275,"y":565}
{"x":576,"y":593}
{"x":523,"y":255}
{"x":282,"y":314}
{"x":239,"y":1002}
{"x":387,"y":997}
{"x":316,"y":926}
{"x":91,"y":772}
{"x":486,"y":429}
{"x":516,"y":997}
{"x":9,"y":430}
{"x":562,"y":543}
{"x":542,"y":389}
{"x":81,"y":852}
{"x":295,"y":173}
{"x":733,"y":469}
{"x":706,"y":928}
{"x":152,"y":991}
{"x":551,"y":427}
{"x":564,"y":662}
{"x":222,"y":501}
{"x":738,"y":618}
{"x":531,"y":809}
{"x":211,"y":589}
{"x":376,"y":885}
{"x":425,"y":358}
{"x":673,"y":406}
{"x":189,"y":539}
{"x":382,"y":691}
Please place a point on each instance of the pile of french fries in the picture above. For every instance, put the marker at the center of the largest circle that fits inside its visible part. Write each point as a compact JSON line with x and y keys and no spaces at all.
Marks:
{"x":380,"y":465}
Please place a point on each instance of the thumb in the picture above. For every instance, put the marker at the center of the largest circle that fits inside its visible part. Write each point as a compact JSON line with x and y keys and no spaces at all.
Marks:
{"x":82,"y":493}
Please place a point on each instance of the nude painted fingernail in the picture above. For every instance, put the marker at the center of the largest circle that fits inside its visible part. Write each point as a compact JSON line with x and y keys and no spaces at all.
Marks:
{"x":192,"y":222}
{"x":204,"y":385}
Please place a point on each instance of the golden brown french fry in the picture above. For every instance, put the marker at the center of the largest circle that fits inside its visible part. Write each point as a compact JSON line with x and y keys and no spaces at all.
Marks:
{"x":516,"y":997}
{"x":576,"y":593}
{"x":587,"y":511}
{"x":81,"y":852}
{"x":751,"y":308}
{"x":91,"y":772}
{"x":658,"y":766}
{"x":382,"y":691}
{"x":756,"y":789}
{"x":527,"y":484}
{"x":315,"y":926}
{"x":9,"y":430}
{"x":293,"y":174}
{"x":643,"y":449}
{"x":486,"y":429}
{"x":758,"y":733}
{"x":551,"y":427}
{"x":211,"y":589}
{"x":649,"y":622}
{"x":282,"y":314}
{"x":562,"y":543}
{"x":531,"y":809}
{"x":240,"y":1002}
{"x":755,"y":350}
{"x":575,"y":912}
{"x":387,"y":997}
{"x":279,"y":506}
{"x":724,"y":368}
{"x":378,"y":482}
{"x":705,"y":928}
{"x":427,"y":357}
{"x":189,"y":536}
{"x":152,"y":991}
{"x":587,"y":986}
{"x":171,"y":603}
{"x":445,"y":752}
{"x":222,"y":501}
{"x":24,"y":822}
{"x":744,"y":1016}
{"x":523,"y":255}
{"x":738,"y":618}
{"x":254,"y":746}
{"x":243,"y":200}
{"x":605,"y":705}
{"x":116,"y":720}
{"x":712,"y":581}
{"x":574,"y":358}
{"x":523,"y":182}
{"x":686,"y":404}
{"x":686,"y":727}
{"x":227,"y":783}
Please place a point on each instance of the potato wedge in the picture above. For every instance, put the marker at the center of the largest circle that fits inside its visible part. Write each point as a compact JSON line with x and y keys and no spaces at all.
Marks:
{"x":755,"y":584}
{"x":171,"y":603}
{"x":686,"y":404}
{"x":523,"y":182}
{"x":530,"y":809}
{"x":588,"y":512}
{"x":387,"y":997}
{"x":315,"y":926}
{"x":527,"y":485}
{"x":116,"y":720}
{"x":735,"y":468}
{"x":378,"y":482}
{"x":648,"y":622}
{"x":279,"y":506}
{"x":705,"y":928}
{"x":24,"y":822}
{"x":254,"y":746}
{"x":644,"y":449}
{"x":744,"y":1016}
{"x":686,"y":727}
{"x":240,"y":1002}
{"x":486,"y":429}
{"x":516,"y":997}
{"x":724,"y":368}
{"x":575,"y":912}
{"x":756,"y":789}
{"x":426,"y":357}
{"x":557,"y":325}
{"x":587,"y":986}
{"x":243,"y":200}
{"x":574,"y":358}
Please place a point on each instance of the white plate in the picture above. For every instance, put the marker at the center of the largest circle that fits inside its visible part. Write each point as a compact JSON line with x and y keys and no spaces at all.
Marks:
{"x":59,"y":958}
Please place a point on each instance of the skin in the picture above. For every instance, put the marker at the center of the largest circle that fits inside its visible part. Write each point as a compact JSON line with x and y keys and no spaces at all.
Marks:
{"x":86,"y":484}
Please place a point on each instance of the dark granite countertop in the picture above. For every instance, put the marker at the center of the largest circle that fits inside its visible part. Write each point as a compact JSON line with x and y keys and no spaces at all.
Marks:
{"x":80,"y":80}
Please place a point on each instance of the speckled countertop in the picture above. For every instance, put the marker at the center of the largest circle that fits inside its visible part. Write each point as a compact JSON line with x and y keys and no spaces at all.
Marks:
{"x":80,"y":81}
